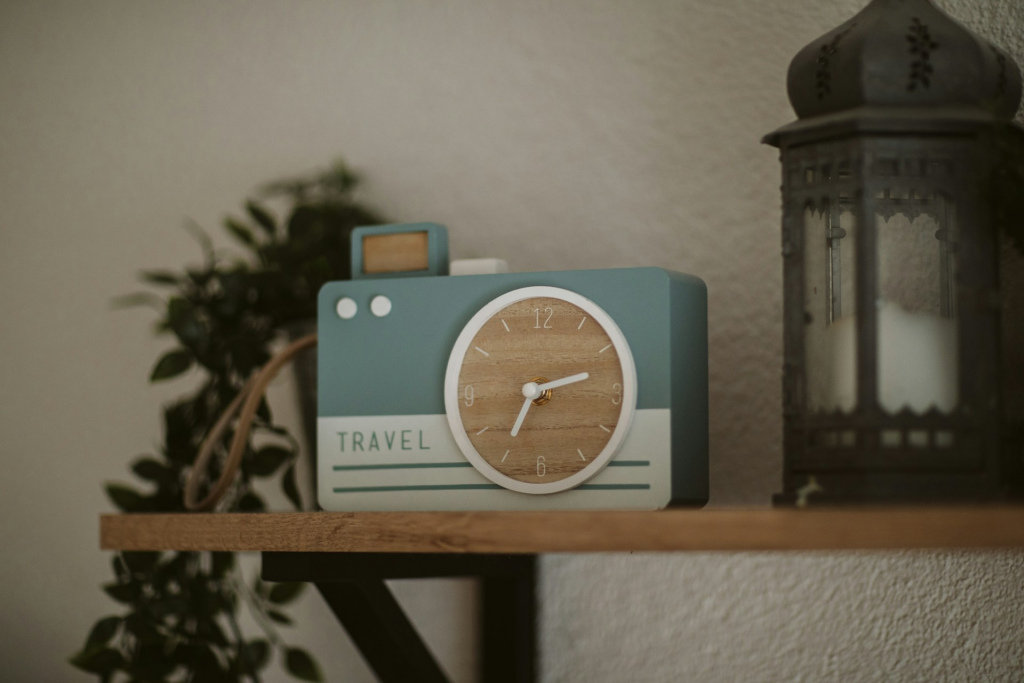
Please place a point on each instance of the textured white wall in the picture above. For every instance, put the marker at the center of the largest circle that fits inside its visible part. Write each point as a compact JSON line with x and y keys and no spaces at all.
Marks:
{"x":555,"y":135}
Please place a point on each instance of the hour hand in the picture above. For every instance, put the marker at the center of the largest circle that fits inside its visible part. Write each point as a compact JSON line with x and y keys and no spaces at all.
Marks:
{"x":522,"y":415}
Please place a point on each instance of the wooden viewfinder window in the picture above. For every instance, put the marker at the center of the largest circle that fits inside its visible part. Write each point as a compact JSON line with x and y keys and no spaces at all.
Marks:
{"x":396,"y":253}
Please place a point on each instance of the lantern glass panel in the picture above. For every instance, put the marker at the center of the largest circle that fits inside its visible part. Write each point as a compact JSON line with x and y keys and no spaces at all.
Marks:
{"x":829,"y":303}
{"x":917,"y":237}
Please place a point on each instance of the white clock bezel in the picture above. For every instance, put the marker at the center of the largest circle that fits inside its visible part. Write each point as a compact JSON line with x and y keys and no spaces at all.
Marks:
{"x":451,"y":389}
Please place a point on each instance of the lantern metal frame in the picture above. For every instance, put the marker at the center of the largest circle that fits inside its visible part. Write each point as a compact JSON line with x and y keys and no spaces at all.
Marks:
{"x":879,"y":157}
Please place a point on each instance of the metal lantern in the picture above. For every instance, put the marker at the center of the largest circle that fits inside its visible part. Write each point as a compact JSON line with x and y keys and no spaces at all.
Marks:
{"x":898,"y":381}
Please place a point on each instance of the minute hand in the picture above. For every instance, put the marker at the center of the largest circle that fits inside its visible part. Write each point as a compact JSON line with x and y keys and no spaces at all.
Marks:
{"x":572,"y":379}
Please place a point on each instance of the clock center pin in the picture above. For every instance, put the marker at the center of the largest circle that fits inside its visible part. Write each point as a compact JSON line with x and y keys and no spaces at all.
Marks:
{"x":530,"y":390}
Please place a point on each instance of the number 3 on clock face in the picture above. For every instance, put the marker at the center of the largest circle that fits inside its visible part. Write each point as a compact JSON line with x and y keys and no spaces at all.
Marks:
{"x":540,"y":390}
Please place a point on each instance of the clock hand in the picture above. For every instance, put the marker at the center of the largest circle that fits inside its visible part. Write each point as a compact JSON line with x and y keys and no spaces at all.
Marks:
{"x":572,"y":379}
{"x":522,"y":414}
{"x":532,"y":390}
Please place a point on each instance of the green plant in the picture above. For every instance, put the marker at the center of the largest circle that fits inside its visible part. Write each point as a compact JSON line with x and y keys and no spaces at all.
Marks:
{"x":180,"y":621}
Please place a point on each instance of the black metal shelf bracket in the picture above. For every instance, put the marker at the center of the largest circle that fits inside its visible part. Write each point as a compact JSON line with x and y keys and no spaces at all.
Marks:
{"x":353,"y":586}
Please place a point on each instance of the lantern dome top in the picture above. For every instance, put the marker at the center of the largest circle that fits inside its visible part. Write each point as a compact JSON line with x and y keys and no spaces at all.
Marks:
{"x":899,"y":59}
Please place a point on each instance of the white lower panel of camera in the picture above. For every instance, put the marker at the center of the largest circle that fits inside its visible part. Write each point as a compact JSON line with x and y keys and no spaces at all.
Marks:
{"x":411,"y":462}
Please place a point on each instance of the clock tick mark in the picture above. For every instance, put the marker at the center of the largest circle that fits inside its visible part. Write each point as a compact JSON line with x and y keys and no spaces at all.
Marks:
{"x":581,"y":454}
{"x":605,"y":428}
{"x":482,"y":431}
{"x":505,"y":456}
{"x":481,"y":351}
{"x":582,"y":321}
{"x":604,"y":349}
{"x":506,"y":326}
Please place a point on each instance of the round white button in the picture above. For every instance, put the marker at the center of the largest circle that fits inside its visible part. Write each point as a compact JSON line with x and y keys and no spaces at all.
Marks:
{"x":346,"y":308}
{"x":380,"y":306}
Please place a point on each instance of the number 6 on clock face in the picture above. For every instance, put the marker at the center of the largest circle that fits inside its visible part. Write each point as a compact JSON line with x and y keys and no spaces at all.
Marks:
{"x":540,"y":390}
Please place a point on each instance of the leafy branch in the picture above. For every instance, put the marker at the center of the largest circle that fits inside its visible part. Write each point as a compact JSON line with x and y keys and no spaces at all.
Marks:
{"x":180,"y":618}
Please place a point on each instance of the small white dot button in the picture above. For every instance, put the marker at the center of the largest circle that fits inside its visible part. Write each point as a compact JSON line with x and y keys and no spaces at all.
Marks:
{"x":346,"y":308}
{"x":380,"y":306}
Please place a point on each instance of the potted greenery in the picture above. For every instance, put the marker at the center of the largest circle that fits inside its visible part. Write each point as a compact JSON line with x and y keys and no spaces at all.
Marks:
{"x":180,"y":608}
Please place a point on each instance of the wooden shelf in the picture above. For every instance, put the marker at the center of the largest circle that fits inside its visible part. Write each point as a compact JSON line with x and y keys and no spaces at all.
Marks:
{"x":727,"y":529}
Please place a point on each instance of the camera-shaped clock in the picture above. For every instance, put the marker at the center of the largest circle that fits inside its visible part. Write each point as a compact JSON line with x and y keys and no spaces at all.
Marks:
{"x":579,"y":389}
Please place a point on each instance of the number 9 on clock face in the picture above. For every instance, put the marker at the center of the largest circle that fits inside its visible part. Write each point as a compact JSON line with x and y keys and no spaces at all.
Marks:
{"x":540,"y":390}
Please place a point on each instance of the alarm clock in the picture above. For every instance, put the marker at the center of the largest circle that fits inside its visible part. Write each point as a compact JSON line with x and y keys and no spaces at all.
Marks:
{"x":576,"y":389}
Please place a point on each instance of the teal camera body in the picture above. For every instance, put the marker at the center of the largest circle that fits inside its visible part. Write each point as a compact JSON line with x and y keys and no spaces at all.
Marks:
{"x":411,"y":364}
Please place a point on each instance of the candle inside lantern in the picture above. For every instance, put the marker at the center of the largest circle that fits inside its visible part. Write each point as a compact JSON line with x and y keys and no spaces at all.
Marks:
{"x":917,"y":337}
{"x":829,"y":337}
{"x":917,"y":345}
{"x":832,"y":365}
{"x":917,"y":355}
{"x":916,"y":362}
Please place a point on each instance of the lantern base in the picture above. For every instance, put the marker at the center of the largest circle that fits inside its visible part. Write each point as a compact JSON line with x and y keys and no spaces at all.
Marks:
{"x":791,"y":500}
{"x":834,"y":489}
{"x":976,"y":462}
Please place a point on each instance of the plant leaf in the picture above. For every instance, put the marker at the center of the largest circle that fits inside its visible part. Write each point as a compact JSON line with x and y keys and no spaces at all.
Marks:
{"x":289,"y":487}
{"x":267,"y":460}
{"x":199,"y":235}
{"x":152,"y":659}
{"x":215,"y":632}
{"x":262,"y":217}
{"x":138,"y":299}
{"x":250,"y":502}
{"x":263,"y":410}
{"x":171,"y":364}
{"x":120,"y":568}
{"x":301,"y":665}
{"x":283,"y":593}
{"x":279,"y":617}
{"x":239,"y":231}
{"x":152,"y":470}
{"x":140,"y":562}
{"x":161,"y":609}
{"x":102,"y":633}
{"x":102,"y":662}
{"x":159,"y":277}
{"x":257,"y":653}
{"x":205,"y":665}
{"x":302,"y":223}
{"x":181,"y":315}
{"x":126,"y":499}
{"x":221,"y":564}
{"x":340,"y":176}
{"x":122,"y":592}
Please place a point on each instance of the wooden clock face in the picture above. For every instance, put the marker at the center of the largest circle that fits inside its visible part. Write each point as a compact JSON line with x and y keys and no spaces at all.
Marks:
{"x":540,"y":390}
